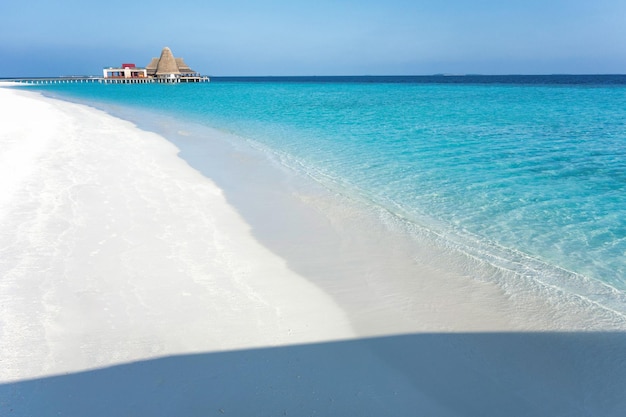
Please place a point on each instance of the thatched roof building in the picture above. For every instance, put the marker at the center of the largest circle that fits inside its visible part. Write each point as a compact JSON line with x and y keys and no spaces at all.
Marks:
{"x":165,"y":69}
{"x":168,"y":66}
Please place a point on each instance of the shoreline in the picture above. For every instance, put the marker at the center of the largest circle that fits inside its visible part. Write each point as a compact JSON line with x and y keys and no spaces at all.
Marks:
{"x":523,"y":279}
{"x":112,"y":261}
{"x":373,"y":242}
{"x":108,"y":235}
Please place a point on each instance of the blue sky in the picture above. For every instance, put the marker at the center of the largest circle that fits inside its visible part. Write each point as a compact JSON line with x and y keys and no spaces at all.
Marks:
{"x":322,"y":37}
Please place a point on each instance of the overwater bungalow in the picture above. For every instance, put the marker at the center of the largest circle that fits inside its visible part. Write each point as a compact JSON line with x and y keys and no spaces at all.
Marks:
{"x":165,"y":69}
{"x":125,"y":72}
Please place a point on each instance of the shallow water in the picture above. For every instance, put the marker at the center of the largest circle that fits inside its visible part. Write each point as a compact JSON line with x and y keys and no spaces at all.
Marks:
{"x":523,"y":180}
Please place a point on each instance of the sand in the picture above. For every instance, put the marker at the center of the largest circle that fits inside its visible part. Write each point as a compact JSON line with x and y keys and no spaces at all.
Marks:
{"x":130,"y":285}
{"x":113,"y":250}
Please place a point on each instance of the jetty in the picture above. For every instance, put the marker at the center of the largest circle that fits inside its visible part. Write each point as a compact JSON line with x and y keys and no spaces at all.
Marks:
{"x":53,"y":80}
{"x":166,"y":70}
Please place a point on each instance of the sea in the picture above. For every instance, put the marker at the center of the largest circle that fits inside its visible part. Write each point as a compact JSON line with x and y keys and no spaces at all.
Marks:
{"x":523,"y":175}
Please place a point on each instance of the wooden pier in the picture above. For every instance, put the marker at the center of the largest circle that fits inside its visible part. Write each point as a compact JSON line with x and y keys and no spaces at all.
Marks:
{"x":108,"y":80}
{"x":164,"y":70}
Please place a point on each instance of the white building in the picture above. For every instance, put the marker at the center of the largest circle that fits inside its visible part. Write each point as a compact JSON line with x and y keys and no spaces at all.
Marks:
{"x":126,"y":71}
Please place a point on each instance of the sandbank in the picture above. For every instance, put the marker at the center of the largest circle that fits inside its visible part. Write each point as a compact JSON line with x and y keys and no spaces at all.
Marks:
{"x":131,"y":284}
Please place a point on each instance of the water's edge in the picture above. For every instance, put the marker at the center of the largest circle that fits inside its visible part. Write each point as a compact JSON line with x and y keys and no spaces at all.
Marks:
{"x":290,"y":212}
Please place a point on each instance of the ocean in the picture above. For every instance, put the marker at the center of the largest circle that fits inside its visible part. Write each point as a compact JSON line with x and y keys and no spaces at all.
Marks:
{"x":521,"y":176}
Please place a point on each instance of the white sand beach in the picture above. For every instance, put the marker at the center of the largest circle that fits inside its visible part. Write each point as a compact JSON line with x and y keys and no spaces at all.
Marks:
{"x":114,"y":250}
{"x":130,"y":286}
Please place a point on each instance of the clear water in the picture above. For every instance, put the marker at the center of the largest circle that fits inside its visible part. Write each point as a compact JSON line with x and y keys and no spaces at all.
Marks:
{"x":525,"y":174}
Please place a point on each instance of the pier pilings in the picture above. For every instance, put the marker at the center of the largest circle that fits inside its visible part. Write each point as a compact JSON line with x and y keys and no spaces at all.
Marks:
{"x":108,"y":80}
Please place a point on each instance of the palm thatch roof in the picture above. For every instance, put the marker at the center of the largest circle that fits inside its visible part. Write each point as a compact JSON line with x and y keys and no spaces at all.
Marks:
{"x":152,"y":66}
{"x":167,"y":64}
{"x":182,"y":67}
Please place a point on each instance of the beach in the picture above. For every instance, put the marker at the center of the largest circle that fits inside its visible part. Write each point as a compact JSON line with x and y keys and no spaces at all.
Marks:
{"x":132,"y":284}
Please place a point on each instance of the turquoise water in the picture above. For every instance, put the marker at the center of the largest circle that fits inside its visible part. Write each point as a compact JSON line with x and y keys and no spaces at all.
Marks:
{"x":528,"y":177}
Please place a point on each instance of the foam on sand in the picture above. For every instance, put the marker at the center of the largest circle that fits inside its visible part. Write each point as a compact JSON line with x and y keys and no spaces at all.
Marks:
{"x":129,"y":286}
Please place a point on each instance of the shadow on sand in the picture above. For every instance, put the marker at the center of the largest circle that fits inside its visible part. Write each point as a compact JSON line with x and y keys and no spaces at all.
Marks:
{"x":499,"y":374}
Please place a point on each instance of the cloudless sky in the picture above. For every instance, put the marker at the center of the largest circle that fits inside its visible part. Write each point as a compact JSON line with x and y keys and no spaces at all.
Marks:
{"x":316,"y":37}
